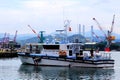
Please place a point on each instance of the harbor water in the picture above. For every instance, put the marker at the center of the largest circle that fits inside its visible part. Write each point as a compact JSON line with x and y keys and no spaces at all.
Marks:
{"x":12,"y":69}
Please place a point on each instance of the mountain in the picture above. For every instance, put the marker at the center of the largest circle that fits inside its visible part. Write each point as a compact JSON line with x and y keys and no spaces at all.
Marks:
{"x":27,"y":38}
{"x":56,"y":37}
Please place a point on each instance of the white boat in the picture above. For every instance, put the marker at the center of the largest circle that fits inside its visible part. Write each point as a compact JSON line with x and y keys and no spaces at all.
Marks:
{"x":70,"y":54}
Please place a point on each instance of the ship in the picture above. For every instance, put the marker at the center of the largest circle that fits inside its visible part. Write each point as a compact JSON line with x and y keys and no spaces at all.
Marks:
{"x":70,"y":55}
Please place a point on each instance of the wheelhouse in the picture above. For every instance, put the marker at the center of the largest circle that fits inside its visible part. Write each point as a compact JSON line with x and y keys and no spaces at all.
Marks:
{"x":89,"y":46}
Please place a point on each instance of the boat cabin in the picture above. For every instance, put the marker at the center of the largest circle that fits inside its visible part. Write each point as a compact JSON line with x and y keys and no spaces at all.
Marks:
{"x":90,"y":45}
{"x":33,"y":48}
{"x":60,"y":50}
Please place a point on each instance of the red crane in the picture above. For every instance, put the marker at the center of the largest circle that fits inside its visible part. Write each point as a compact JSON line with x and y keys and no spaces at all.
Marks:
{"x":99,"y":26}
{"x":112,"y":23}
{"x":34,"y":31}
{"x":97,"y":36}
{"x":4,"y":40}
{"x":108,"y":36}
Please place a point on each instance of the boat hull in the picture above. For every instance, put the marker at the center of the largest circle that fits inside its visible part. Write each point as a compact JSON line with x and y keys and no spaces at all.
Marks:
{"x":57,"y":61}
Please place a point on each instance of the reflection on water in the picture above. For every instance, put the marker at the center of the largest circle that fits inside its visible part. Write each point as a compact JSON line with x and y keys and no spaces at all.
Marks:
{"x":11,"y":69}
{"x":64,"y":73}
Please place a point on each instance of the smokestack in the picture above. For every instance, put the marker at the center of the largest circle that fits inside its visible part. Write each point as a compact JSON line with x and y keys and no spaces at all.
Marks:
{"x":84,"y":30}
{"x":80,"y":29}
{"x":91,"y":33}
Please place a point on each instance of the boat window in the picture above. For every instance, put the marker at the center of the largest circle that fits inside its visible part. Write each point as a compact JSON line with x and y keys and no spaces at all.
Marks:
{"x":70,"y":47}
{"x":67,"y":46}
{"x":89,"y":46}
{"x":70,"y":52}
{"x":51,"y":46}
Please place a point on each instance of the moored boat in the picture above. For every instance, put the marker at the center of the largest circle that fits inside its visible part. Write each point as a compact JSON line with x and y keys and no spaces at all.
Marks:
{"x":70,"y":55}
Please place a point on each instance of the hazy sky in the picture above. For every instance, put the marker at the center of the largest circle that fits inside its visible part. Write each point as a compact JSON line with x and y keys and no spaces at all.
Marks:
{"x":49,"y":15}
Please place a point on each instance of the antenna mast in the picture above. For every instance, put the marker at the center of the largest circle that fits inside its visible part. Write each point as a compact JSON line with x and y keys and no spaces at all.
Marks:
{"x":66,"y":25}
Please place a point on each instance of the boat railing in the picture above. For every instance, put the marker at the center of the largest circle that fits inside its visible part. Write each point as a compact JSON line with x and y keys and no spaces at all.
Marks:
{"x":106,"y":55}
{"x":97,"y":56}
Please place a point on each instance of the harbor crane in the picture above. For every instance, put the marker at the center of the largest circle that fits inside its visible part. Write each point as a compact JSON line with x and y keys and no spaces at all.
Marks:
{"x":94,"y":34}
{"x":5,"y":38}
{"x":108,"y":36}
{"x":34,"y":31}
{"x":40,"y":37}
{"x":97,"y":36}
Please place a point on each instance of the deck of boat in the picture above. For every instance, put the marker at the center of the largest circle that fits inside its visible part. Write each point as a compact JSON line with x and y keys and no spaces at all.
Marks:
{"x":95,"y":61}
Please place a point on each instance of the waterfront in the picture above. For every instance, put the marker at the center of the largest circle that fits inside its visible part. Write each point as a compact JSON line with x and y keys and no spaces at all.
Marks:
{"x":12,"y":69}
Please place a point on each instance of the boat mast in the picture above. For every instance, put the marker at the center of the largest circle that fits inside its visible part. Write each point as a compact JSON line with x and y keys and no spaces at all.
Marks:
{"x":41,"y":37}
{"x":66,"y":25}
{"x":92,"y":34}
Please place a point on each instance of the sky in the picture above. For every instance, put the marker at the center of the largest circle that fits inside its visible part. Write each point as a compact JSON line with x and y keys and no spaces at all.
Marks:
{"x":49,"y":15}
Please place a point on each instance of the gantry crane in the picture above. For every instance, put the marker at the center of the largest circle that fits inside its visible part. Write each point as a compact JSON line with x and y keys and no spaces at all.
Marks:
{"x":108,"y":36}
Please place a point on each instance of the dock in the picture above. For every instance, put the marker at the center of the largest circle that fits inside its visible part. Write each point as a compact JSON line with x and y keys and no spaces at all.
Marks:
{"x":8,"y":55}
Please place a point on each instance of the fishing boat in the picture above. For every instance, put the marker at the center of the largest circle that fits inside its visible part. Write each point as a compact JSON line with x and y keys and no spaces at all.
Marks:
{"x":70,"y":55}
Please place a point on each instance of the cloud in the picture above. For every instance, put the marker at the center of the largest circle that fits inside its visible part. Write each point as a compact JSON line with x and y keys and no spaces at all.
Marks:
{"x":45,"y":14}
{"x":48,"y":3}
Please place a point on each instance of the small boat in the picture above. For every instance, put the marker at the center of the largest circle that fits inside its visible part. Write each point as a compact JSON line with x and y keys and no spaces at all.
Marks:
{"x":70,"y":54}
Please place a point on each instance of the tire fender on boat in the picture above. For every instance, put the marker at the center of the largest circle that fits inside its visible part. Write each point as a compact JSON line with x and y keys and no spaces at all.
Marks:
{"x":60,"y":52}
{"x":64,"y":52}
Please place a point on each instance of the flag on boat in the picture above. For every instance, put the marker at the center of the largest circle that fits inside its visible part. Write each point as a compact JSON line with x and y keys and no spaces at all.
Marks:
{"x":70,"y":29}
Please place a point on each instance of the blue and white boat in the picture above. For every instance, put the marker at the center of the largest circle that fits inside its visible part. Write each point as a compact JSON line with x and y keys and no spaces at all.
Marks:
{"x":70,"y":55}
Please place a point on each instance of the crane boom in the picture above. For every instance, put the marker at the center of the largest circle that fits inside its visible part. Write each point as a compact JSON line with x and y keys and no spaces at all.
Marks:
{"x":34,"y":31}
{"x":99,"y":26}
{"x":97,"y":36}
{"x":112,"y":23}
{"x":109,"y":37}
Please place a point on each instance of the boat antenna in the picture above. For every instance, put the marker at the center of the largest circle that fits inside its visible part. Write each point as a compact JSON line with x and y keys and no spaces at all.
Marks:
{"x":41,"y":37}
{"x":66,"y":25}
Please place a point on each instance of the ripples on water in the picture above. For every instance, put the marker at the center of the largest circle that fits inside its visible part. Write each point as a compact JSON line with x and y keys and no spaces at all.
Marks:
{"x":12,"y":69}
{"x":64,"y":73}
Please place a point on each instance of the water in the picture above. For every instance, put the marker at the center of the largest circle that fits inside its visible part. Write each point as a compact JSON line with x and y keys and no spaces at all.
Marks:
{"x":12,"y":69}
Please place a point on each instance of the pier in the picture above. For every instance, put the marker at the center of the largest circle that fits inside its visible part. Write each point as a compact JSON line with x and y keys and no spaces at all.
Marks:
{"x":8,"y":55}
